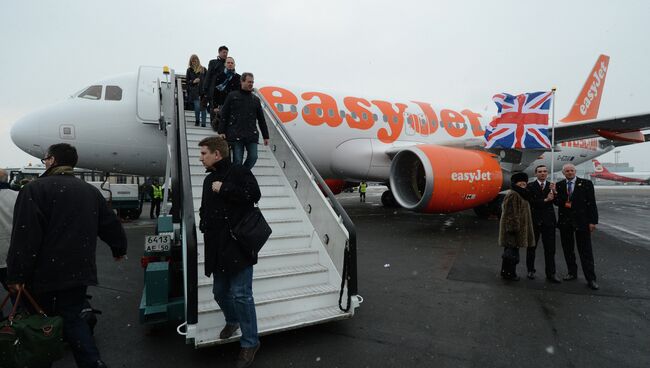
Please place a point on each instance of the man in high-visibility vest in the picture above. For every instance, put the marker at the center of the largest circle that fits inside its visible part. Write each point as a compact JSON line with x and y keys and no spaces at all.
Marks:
{"x":362,"y":191}
{"x":156,"y":198}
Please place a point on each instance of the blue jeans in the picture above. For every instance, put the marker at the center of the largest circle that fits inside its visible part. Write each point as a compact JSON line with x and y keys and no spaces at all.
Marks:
{"x":234,"y":294}
{"x":198,"y":110}
{"x":238,"y":153}
{"x":68,"y":304}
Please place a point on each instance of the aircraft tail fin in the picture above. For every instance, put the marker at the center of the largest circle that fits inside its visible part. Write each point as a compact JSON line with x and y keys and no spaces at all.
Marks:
{"x":599,"y":168}
{"x":588,"y":101}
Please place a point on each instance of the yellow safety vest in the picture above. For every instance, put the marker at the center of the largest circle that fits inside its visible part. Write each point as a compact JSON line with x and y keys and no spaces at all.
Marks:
{"x":362,"y":187}
{"x":157,"y":191}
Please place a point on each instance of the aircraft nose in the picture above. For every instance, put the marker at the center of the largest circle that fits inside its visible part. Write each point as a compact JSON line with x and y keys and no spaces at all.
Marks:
{"x":25,"y":134}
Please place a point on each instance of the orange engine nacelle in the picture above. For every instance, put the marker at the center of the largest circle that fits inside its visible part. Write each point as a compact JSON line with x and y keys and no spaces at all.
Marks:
{"x":437,"y":179}
{"x":335,"y":185}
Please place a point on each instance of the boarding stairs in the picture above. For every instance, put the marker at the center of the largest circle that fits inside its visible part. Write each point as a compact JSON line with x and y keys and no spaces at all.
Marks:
{"x":298,"y":278}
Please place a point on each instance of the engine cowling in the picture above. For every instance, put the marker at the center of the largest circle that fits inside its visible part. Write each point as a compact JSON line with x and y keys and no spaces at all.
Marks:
{"x":438,"y":179}
{"x":336,"y":185}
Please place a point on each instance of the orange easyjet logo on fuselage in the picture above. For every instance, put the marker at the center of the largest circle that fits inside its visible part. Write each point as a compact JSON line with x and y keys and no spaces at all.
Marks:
{"x":590,"y":144}
{"x":360,"y":113}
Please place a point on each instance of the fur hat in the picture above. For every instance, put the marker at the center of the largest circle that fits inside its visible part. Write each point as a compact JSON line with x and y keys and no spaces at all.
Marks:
{"x":517,"y":177}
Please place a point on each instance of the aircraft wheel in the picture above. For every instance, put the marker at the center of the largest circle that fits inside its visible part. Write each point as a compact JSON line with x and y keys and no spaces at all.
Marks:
{"x":388,"y":200}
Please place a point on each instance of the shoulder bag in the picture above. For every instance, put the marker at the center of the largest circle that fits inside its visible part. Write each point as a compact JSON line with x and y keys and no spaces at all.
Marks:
{"x":29,"y":340}
{"x":252,"y":231}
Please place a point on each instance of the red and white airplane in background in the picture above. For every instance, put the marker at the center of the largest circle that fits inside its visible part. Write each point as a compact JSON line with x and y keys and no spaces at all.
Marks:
{"x":432,"y":158}
{"x":601,"y":172}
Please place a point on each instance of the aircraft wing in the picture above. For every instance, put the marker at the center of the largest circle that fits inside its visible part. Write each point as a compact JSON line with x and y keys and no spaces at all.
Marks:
{"x":623,"y":128}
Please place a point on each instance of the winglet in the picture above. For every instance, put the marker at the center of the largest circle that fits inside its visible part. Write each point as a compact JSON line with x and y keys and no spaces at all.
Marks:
{"x":586,"y":105}
{"x":599,"y":168}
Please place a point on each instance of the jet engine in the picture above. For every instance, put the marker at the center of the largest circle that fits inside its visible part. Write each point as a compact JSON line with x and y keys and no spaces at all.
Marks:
{"x":438,"y":179}
{"x":335,"y":185}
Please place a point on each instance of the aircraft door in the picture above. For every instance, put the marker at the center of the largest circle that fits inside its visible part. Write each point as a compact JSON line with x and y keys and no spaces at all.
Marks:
{"x":409,"y":124}
{"x":148,"y":94}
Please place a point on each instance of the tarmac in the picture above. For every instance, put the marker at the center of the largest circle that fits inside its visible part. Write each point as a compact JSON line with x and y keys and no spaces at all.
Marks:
{"x":432,"y":298}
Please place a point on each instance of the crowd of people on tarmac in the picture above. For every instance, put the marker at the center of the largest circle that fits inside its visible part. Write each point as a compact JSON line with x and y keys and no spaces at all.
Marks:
{"x":528,"y":213}
{"x":49,"y":228}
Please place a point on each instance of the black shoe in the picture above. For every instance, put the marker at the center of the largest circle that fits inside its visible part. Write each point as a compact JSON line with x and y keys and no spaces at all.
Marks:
{"x":228,"y":331}
{"x":510,"y":277}
{"x":553,"y":279}
{"x":196,"y":124}
{"x":531,"y":276}
{"x":246,"y":356}
{"x":592,"y":285}
{"x":203,"y":125}
{"x":569,"y":277}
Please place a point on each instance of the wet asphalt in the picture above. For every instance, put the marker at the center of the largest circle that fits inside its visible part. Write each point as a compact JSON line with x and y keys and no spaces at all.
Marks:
{"x":432,"y":298}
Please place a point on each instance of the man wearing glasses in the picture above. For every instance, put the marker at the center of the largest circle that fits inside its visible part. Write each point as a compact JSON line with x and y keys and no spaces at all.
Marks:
{"x":544,"y":222}
{"x":58,"y":218}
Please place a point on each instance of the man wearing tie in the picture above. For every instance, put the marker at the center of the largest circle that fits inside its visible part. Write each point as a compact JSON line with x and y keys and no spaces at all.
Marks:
{"x":577,"y":219}
{"x":543,"y":212}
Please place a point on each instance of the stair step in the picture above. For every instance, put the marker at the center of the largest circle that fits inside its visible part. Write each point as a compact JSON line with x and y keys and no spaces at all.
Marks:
{"x":277,"y":258}
{"x":209,"y":304}
{"x":208,"y":335}
{"x":267,"y":279}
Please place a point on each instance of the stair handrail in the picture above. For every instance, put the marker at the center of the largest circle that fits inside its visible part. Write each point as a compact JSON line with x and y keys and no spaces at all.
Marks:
{"x":349,"y":273}
{"x":187,"y":213}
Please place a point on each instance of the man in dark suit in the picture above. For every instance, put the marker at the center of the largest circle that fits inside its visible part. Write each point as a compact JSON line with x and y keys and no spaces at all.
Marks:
{"x":577,"y":219}
{"x":215,"y":68}
{"x":543,"y":212}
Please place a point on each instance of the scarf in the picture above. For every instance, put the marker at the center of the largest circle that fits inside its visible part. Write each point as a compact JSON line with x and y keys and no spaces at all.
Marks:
{"x":523,"y":192}
{"x":229,"y":74}
{"x":58,"y":170}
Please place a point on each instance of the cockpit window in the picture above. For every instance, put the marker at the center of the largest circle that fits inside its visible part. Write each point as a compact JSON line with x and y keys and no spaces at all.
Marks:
{"x":92,"y":93}
{"x":113,"y":93}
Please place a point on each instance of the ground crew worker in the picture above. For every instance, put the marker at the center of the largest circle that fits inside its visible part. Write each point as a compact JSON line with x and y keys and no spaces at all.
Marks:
{"x":362,"y":191}
{"x":156,"y":198}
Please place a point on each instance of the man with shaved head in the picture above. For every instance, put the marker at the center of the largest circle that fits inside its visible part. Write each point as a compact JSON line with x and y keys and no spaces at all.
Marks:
{"x":577,"y":219}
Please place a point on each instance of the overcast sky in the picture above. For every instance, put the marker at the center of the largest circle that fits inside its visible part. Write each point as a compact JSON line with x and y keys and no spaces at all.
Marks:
{"x":449,"y":53}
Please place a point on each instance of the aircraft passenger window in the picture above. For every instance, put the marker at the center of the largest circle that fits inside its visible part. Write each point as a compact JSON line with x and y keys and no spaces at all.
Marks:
{"x":306,"y":110}
{"x":342,"y":113}
{"x":280,"y":107}
{"x":113,"y":93}
{"x":354,"y":115}
{"x":375,"y":117}
{"x":92,"y":93}
{"x":365,"y":116}
{"x":330,"y":112}
{"x":395,"y":119}
{"x":293,"y":108}
{"x":385,"y":119}
{"x":319,"y":111}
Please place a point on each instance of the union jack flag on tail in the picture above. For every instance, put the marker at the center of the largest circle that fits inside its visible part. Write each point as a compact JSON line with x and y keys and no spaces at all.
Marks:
{"x":521,"y":121}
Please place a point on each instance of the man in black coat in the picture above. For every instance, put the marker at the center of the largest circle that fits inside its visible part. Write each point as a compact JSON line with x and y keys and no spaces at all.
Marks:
{"x":541,"y":205}
{"x":577,"y":219}
{"x":57,"y":219}
{"x":240,"y":115}
{"x":229,"y":192}
{"x":215,"y":68}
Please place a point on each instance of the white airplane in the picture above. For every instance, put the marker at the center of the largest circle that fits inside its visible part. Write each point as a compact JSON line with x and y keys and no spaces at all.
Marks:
{"x":433,"y":158}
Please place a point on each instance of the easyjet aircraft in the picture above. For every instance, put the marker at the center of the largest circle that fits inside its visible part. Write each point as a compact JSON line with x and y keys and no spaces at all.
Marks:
{"x":433,"y":158}
{"x":601,"y":172}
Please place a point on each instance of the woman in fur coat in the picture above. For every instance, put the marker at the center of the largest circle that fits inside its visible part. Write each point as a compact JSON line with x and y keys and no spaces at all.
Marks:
{"x":516,"y":225}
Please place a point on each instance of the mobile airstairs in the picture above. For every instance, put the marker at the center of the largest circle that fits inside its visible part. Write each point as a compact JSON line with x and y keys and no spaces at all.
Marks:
{"x":306,"y":272}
